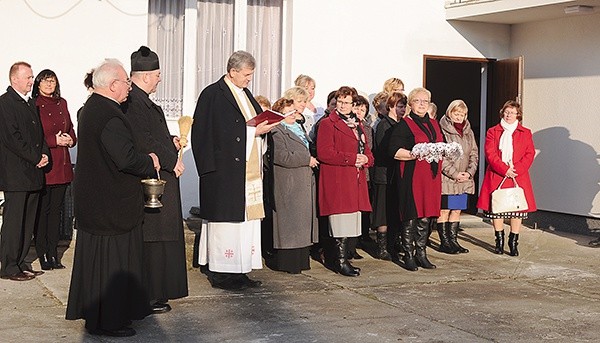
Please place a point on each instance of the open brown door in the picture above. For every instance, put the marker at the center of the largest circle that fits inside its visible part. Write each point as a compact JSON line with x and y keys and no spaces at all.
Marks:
{"x":505,"y":83}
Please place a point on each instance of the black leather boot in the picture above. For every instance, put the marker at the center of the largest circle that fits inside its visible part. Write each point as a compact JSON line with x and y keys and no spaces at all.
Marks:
{"x":382,"y":242}
{"x":341,"y":264}
{"x":445,"y":246}
{"x":452,"y":232}
{"x":421,"y":243}
{"x":499,"y":242}
{"x":513,"y":241}
{"x":44,"y":263}
{"x":408,"y":244}
{"x":352,"y":254}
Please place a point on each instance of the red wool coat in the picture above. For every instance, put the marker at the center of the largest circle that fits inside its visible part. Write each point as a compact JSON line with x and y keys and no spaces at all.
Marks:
{"x":342,"y":186}
{"x":523,"y":155}
{"x":55,"y":117}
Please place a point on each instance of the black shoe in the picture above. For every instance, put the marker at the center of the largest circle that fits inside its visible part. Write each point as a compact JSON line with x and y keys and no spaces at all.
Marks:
{"x":513,"y":242}
{"x":249,"y":282}
{"x":410,"y":263}
{"x":160,"y":308}
{"x":122,"y":332}
{"x":54,"y":262}
{"x":499,"y":249}
{"x":44,"y":263}
{"x":33,"y":272}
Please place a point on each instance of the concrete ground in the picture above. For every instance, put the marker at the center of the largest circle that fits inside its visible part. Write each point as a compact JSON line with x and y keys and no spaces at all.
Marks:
{"x":550,"y":293}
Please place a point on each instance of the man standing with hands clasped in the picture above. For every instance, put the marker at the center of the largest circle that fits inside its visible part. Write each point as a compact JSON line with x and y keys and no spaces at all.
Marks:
{"x":165,"y":273}
{"x":228,"y":156}
{"x":23,"y":154}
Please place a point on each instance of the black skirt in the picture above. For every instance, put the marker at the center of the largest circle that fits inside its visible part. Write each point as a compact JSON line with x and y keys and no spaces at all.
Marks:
{"x":165,"y":271}
{"x":379,"y":198}
{"x":292,"y":261}
{"x":106,"y":284}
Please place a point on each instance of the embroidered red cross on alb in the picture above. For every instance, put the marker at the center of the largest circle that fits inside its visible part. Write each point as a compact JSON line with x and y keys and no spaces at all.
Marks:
{"x":229,"y":253}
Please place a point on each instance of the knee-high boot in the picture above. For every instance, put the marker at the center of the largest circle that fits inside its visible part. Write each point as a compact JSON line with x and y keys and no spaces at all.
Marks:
{"x":513,"y":241}
{"x":499,"y":242}
{"x":453,"y":237}
{"x":351,"y":251}
{"x":382,"y":242}
{"x":421,"y":243}
{"x":341,"y":264}
{"x":445,"y":245}
{"x":408,"y":233}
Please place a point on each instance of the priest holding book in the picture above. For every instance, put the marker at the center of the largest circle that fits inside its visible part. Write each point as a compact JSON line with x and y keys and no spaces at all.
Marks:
{"x":228,"y":155}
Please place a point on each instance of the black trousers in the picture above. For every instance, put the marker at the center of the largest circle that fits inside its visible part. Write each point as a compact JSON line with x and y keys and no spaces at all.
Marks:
{"x":18,"y":222}
{"x":48,"y":228}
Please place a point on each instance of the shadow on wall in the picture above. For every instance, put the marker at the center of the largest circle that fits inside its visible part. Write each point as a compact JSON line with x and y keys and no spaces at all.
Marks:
{"x":570,"y":190}
{"x":189,"y":182}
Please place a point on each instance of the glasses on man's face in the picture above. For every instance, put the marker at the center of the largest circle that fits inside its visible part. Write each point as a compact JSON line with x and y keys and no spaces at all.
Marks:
{"x":421,"y":101}
{"x":128,"y":81}
{"x":344,"y":102}
{"x":49,"y":81}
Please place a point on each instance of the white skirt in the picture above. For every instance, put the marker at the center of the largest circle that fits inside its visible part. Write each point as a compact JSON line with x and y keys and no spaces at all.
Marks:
{"x":230,"y":247}
{"x":345,"y":225}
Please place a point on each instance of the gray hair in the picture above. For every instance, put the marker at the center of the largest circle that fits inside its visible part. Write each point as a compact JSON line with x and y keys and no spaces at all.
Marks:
{"x":240,"y":59}
{"x":416,"y":91}
{"x":106,"y":72}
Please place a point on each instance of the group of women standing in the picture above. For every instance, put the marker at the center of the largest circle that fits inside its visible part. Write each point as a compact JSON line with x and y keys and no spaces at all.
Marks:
{"x":410,"y":196}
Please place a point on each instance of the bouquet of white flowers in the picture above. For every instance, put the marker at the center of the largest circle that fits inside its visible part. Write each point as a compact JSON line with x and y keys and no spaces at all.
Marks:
{"x":434,"y":152}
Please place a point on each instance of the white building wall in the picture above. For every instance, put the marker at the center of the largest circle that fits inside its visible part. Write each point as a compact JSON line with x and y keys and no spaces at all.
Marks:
{"x":70,"y":38}
{"x":363,"y":43}
{"x":561,"y":105}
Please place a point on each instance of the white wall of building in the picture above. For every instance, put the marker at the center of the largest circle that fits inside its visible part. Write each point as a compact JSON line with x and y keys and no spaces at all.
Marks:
{"x":363,"y":43}
{"x":70,"y":38}
{"x":561,"y":104}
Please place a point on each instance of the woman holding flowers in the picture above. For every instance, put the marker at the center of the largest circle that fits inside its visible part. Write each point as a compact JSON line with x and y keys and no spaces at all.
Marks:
{"x":419,"y":181}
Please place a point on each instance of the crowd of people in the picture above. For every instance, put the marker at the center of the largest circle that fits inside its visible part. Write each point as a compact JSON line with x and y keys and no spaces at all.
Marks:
{"x":318,"y":183}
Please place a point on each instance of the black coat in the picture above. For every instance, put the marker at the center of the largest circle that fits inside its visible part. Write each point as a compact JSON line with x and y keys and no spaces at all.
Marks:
{"x":151,"y":134}
{"x":219,"y":147}
{"x":21,"y":144}
{"x":108,"y":197}
{"x":380,"y":143}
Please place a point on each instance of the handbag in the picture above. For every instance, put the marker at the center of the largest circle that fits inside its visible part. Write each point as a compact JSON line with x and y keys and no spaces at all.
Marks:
{"x":509,"y":199}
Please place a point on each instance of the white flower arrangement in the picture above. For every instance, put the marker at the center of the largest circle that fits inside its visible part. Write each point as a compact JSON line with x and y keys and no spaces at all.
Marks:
{"x":434,"y":152}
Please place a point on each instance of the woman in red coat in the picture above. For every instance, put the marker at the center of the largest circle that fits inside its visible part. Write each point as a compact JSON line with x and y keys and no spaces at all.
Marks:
{"x":509,"y":152}
{"x":60,"y":136}
{"x":344,"y":153}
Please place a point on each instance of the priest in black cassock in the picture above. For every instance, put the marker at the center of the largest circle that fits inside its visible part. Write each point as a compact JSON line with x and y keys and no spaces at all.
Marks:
{"x":106,"y":284}
{"x":165,"y":273}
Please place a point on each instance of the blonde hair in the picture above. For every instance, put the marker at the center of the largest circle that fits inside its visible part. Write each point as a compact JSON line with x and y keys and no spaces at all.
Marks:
{"x":457,"y":104}
{"x":390,"y":84}
{"x":295,"y":92}
{"x":417,"y":90}
{"x":263,"y":101}
{"x":303,"y":80}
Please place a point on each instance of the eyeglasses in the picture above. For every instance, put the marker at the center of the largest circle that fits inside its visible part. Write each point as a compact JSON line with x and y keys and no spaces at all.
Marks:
{"x":511,"y":112}
{"x":344,"y":102}
{"x":421,"y":101}
{"x":48,"y":81}
{"x":128,"y":81}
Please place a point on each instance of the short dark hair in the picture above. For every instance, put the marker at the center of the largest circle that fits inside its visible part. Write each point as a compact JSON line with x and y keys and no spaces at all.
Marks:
{"x":361,"y":100}
{"x":516,"y":105}
{"x":395,"y":98}
{"x":345,"y":91}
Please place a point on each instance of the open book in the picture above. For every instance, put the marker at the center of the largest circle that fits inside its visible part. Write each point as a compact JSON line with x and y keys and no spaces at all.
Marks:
{"x":269,"y":115}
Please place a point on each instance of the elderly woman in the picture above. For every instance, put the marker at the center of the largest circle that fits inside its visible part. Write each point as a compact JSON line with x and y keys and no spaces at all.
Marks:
{"x":294,"y":211}
{"x":395,"y":108}
{"x":344,"y":153}
{"x":419,"y":182}
{"x":509,"y":152}
{"x":60,"y":136}
{"x":299,"y":96}
{"x":457,"y":175}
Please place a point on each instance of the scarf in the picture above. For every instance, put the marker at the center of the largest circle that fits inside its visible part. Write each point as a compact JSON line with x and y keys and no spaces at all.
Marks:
{"x":296,"y":129}
{"x":506,"y":141}
{"x":459,"y":127}
{"x":429,"y":132}
{"x":352,"y":121}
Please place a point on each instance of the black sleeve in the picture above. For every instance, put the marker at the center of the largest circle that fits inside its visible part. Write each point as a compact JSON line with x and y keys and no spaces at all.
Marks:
{"x":400,"y":137}
{"x":118,"y":142}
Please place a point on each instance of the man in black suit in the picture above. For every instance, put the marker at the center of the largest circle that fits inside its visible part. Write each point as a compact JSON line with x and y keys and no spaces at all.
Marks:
{"x":23,"y":154}
{"x":165,"y":272}
{"x":228,"y":156}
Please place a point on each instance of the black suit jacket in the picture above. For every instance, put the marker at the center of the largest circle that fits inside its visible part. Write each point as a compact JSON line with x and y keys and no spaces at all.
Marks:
{"x":219,"y":147}
{"x":151,"y":134}
{"x":21,"y":144}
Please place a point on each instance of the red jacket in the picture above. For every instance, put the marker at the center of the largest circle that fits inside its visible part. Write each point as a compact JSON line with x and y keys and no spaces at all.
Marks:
{"x":523,"y":155}
{"x":342,"y":186}
{"x":55,"y":117}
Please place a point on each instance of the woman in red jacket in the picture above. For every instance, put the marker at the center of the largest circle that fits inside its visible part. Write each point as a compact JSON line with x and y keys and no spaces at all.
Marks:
{"x":509,"y":152}
{"x":344,"y":153}
{"x":60,"y":136}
